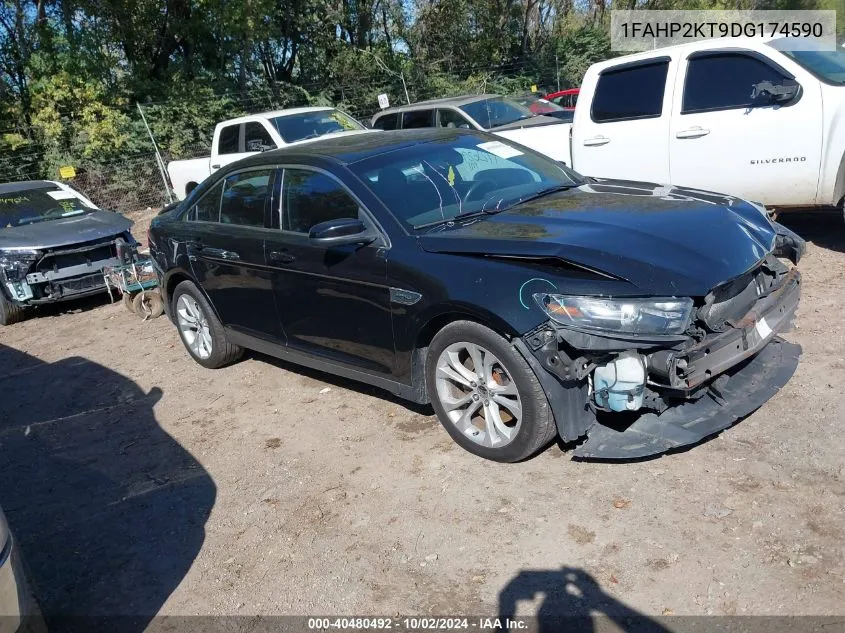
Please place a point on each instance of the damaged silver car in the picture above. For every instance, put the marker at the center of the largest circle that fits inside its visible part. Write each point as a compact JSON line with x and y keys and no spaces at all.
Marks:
{"x":54,"y":244}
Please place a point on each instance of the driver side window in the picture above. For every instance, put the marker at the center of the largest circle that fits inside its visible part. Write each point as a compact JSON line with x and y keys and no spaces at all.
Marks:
{"x":309,"y":198}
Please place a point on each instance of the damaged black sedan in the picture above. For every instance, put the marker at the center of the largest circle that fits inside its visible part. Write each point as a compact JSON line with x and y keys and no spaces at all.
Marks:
{"x":523,"y":301}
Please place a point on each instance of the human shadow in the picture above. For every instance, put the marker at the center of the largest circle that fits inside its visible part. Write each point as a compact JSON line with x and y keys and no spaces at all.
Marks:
{"x":109,"y":509}
{"x":822,"y":228}
{"x":570,"y":599}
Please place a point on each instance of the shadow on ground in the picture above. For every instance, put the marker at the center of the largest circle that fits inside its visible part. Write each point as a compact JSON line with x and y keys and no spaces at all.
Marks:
{"x":108,"y":508}
{"x":570,"y":601}
{"x":825,"y":229}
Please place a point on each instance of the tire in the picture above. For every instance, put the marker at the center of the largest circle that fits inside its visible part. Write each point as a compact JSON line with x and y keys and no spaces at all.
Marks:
{"x":221,"y":352}
{"x":148,"y":304}
{"x":11,"y":312}
{"x":509,"y":382}
{"x":128,"y":300}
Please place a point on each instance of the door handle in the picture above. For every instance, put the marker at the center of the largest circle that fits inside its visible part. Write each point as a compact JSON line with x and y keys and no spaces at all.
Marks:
{"x":596,"y":141}
{"x":693,"y":132}
{"x":279,"y":257}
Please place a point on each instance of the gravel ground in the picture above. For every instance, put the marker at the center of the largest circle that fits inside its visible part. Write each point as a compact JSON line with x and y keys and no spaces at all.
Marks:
{"x":140,"y":483}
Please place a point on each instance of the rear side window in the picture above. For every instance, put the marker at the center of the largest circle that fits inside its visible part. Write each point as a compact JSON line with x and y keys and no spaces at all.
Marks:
{"x":244,"y":198}
{"x":257,"y":138}
{"x":386,"y":122}
{"x":418,"y":118}
{"x":309,"y":198}
{"x":207,"y":209}
{"x":722,"y":82}
{"x":632,"y":92}
{"x":229,"y":140}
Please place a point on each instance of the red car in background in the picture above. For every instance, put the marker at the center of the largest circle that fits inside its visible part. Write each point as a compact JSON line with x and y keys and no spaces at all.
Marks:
{"x":564,"y":98}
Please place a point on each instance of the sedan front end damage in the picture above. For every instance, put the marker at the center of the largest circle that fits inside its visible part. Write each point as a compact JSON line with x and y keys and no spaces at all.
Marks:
{"x":675,"y":370}
{"x":46,"y":275}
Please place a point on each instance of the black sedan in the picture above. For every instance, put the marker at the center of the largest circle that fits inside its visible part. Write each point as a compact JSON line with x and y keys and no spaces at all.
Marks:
{"x":523,"y":301}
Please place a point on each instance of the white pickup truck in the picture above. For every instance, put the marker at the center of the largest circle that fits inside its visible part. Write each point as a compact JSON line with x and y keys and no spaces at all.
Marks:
{"x":238,"y":138}
{"x":750,"y":118}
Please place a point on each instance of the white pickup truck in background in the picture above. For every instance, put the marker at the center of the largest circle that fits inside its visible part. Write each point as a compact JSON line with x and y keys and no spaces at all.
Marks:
{"x":749,"y":118}
{"x":238,"y":138}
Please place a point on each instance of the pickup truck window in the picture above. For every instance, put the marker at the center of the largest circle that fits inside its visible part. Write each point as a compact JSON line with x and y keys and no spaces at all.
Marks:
{"x":386,"y":122}
{"x":257,"y":138}
{"x":724,"y":81}
{"x":630,"y":92}
{"x":244,"y":198}
{"x":229,"y":140}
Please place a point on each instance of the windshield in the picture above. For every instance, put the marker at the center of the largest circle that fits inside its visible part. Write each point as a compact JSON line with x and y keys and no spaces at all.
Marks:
{"x":298,"y":127}
{"x":458,"y":175}
{"x":829,"y":66}
{"x":496,"y":111}
{"x":28,"y":206}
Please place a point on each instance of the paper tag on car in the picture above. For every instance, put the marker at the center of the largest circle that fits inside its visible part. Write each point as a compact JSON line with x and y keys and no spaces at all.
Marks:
{"x":499,"y":149}
{"x":61,"y":195}
{"x":763,"y":328}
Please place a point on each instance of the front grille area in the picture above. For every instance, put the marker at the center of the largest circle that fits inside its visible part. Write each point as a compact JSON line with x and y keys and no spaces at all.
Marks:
{"x":81,"y":284}
{"x":77,"y":254}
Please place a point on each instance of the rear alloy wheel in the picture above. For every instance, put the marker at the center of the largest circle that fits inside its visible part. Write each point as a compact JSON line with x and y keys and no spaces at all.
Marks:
{"x":200,"y":330}
{"x":485,"y":394}
{"x":11,"y":312}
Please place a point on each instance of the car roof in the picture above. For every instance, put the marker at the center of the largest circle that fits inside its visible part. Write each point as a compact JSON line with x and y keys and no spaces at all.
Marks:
{"x":351,"y":148}
{"x":26,"y":185}
{"x":450,"y":101}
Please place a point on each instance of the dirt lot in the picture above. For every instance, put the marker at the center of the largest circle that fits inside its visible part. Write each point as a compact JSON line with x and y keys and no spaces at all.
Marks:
{"x":139,"y":482}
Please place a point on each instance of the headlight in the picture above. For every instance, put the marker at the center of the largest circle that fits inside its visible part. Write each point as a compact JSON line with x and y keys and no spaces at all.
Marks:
{"x":15,"y":263}
{"x":668,"y":315}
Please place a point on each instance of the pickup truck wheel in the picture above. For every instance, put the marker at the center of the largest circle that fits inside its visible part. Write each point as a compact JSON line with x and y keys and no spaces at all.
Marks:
{"x":200,"y":329}
{"x":11,"y":312}
{"x":485,"y":394}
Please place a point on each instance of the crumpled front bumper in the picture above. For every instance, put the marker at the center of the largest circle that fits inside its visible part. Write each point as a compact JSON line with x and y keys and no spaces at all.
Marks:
{"x":699,"y":389}
{"x":748,"y":386}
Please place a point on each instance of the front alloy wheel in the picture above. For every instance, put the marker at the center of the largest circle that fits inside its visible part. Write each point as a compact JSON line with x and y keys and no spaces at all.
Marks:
{"x":478,"y":394}
{"x":485,"y":394}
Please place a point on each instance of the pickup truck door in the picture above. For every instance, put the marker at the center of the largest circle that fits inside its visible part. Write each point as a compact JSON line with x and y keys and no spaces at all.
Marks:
{"x":239,"y":140}
{"x":722,"y":139}
{"x":622,"y":121}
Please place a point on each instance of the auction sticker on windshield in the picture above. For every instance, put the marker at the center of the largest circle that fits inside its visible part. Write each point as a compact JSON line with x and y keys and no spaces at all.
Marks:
{"x":499,"y":149}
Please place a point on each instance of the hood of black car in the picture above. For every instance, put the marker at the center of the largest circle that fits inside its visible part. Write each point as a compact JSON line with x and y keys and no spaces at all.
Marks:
{"x":665,"y":240}
{"x":74,"y":229}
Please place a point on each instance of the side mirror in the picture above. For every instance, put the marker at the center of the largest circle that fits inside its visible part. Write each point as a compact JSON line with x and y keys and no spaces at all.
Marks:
{"x":768,"y":93}
{"x":341,"y":232}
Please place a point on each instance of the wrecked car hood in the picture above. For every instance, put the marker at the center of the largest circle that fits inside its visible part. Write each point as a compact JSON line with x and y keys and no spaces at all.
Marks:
{"x":665,"y":240}
{"x":64,"y":231}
